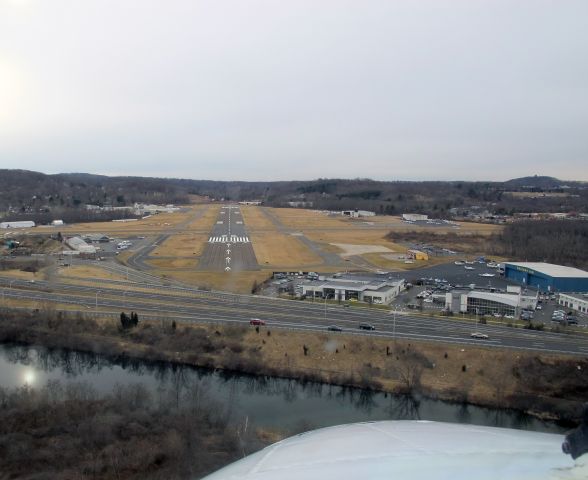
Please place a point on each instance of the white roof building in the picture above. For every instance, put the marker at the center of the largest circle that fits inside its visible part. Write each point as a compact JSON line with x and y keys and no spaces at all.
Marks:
{"x":414,"y":217}
{"x":374,"y":291}
{"x":22,"y":224}
{"x":76,"y":243}
{"x":551,"y":269}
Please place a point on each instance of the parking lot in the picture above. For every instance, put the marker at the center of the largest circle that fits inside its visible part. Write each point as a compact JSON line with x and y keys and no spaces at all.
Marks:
{"x":429,"y":286}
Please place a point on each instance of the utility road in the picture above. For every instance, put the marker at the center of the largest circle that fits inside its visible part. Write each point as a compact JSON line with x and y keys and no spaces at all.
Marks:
{"x":229,"y":248}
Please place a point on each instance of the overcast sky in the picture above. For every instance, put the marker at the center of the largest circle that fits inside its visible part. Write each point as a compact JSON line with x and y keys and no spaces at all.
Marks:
{"x":295,"y":89}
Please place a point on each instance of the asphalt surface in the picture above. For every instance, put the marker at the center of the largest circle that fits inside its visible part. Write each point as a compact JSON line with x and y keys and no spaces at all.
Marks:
{"x":229,"y":246}
{"x":168,"y":302}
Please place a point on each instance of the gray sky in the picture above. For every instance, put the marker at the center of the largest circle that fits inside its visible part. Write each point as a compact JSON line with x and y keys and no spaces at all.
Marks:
{"x":295,"y":89}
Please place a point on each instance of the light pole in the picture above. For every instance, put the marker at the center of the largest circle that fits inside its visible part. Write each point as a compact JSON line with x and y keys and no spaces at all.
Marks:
{"x":394,"y":325}
{"x":96,"y":310}
{"x":326,"y":298}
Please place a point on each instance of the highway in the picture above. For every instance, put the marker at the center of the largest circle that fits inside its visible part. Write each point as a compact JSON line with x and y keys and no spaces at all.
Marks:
{"x":229,"y":246}
{"x":202,"y":306}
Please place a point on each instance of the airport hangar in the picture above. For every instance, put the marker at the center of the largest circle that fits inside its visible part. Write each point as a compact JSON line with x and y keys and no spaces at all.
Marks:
{"x":547,"y":277}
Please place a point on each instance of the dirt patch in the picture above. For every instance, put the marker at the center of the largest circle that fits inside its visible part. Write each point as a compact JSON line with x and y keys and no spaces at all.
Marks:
{"x":350,"y":249}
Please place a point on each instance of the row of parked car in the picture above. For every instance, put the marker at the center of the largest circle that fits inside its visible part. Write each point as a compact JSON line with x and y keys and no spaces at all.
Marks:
{"x":560,"y":316}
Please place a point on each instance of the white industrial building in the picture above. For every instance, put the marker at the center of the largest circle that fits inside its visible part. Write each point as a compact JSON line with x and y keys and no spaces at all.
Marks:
{"x":488,"y":302}
{"x":23,"y":224}
{"x":414,"y":217}
{"x":369,"y":290}
{"x":574,"y":301}
{"x":357,"y":213}
{"x":78,"y":244}
{"x":143,"y":209}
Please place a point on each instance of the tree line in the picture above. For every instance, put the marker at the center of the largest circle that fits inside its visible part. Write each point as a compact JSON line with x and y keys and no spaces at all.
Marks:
{"x":554,"y":241}
{"x":24,"y":192}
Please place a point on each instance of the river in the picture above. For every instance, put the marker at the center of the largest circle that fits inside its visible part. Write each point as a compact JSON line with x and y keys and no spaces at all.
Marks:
{"x":267,"y":402}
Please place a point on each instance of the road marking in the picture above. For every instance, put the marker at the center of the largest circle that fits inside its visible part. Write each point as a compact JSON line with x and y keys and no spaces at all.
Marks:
{"x":229,"y":239}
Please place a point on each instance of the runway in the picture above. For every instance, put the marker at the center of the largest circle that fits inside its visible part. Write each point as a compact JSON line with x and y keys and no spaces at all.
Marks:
{"x":229,"y":247}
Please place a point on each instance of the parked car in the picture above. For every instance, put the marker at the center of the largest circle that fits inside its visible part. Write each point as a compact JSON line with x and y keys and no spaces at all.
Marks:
{"x":366,"y":326}
{"x":256,"y":321}
{"x":480,"y":336}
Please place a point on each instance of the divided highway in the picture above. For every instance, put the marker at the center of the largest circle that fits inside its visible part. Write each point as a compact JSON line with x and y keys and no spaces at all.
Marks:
{"x":202,"y":306}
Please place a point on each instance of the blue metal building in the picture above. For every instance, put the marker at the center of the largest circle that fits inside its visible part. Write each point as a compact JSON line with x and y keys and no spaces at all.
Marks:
{"x":547,"y":277}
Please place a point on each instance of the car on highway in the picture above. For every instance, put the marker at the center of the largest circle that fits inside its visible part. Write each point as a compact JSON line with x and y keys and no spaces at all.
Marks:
{"x":256,"y":322}
{"x":480,"y":336}
{"x":334,"y":328}
{"x":366,"y":326}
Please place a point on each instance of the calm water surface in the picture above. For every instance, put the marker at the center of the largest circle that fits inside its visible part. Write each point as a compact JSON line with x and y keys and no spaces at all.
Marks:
{"x":265,"y":401}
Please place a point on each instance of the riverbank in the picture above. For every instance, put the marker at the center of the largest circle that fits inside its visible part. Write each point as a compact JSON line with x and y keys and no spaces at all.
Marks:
{"x":547,"y":386}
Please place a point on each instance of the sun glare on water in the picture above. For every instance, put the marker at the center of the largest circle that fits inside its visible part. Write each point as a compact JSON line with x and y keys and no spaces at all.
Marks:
{"x":29,"y":377}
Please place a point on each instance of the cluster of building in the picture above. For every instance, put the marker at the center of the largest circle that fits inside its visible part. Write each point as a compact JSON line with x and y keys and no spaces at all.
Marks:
{"x":348,"y":287}
{"x":140,"y":209}
{"x":533,"y":279}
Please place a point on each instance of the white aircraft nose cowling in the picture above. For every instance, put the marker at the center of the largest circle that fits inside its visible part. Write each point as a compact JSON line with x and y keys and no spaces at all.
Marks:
{"x":406,"y":450}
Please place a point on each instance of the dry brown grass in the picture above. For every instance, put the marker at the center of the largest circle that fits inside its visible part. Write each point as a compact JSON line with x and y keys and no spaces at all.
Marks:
{"x":170,"y":263}
{"x":235,"y":282}
{"x":182,"y":245}
{"x":205,"y":223}
{"x":477,"y":228}
{"x":354,"y":236}
{"x":19,"y":274}
{"x":300,"y":218}
{"x":155,"y":224}
{"x":488,"y":378}
{"x":282,"y":250}
{"x":387,"y":264}
{"x":255,"y":219}
{"x":89,"y":271}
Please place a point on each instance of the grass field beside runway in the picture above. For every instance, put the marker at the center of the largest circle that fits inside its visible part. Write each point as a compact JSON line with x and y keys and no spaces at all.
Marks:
{"x":296,"y":218}
{"x":182,"y":245}
{"x":284,"y":250}
{"x":255,"y":219}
